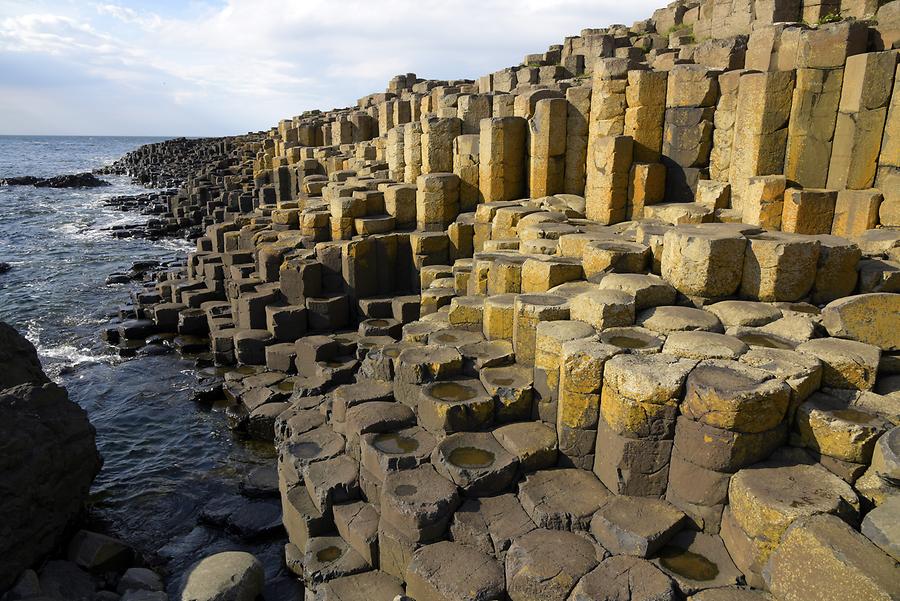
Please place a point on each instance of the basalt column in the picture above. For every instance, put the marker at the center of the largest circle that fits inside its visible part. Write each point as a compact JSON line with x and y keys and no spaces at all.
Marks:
{"x":547,"y":147}
{"x":437,"y":144}
{"x":691,"y":96}
{"x":578,"y":113}
{"x":609,"y":152}
{"x":888,"y":177}
{"x":412,"y":151}
{"x":865,"y":95}
{"x":466,"y":166}
{"x":501,"y":174}
{"x":763,"y":110}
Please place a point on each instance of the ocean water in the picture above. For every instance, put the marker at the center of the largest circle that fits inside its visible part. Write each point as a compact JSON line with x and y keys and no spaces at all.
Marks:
{"x":166,"y":458}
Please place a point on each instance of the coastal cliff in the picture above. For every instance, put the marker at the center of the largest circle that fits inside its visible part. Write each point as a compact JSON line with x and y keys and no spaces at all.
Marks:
{"x":619,"y":322}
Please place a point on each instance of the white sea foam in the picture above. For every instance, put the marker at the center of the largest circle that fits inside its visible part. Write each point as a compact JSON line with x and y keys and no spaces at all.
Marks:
{"x":79,"y":231}
{"x":59,"y":358}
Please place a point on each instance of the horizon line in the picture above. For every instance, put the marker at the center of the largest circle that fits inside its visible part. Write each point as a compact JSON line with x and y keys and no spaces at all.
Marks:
{"x":117,"y":135}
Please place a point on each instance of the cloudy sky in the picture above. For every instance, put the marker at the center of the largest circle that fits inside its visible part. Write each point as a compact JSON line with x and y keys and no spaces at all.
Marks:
{"x":207,"y":67}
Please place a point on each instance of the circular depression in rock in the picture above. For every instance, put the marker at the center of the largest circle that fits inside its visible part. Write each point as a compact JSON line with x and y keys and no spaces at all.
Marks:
{"x":405,"y":490}
{"x":855,"y":416}
{"x":765,"y":340}
{"x":452,"y":391}
{"x":306,"y":450}
{"x":395,"y":444}
{"x":470,"y":457}
{"x":447,"y":337}
{"x":718,"y":377}
{"x":688,"y":564}
{"x":328,"y":554}
{"x":625,"y":341}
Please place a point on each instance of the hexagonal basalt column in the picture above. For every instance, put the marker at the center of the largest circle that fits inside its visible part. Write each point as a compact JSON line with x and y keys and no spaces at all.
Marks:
{"x":454,"y":406}
{"x":512,"y":388}
{"x":417,"y":366}
{"x":732,"y":396}
{"x":476,"y":462}
{"x":641,"y":394}
{"x":531,"y":309}
{"x":499,"y":316}
{"x":562,"y":499}
{"x":418,"y":503}
{"x":578,"y":411}
{"x":549,"y":341}
{"x":633,"y":339}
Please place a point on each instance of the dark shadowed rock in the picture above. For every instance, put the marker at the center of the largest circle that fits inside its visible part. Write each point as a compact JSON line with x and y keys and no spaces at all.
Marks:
{"x":77,"y":180}
{"x":18,"y":359}
{"x":65,"y":580}
{"x":48,"y":458}
{"x":24,"y":180}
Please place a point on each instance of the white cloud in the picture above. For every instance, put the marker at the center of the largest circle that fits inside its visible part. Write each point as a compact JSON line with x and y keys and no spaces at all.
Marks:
{"x":244,"y":64}
{"x":147,"y":20}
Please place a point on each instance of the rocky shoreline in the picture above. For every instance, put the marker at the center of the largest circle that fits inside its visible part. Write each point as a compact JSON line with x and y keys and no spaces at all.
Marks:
{"x":619,"y":322}
{"x":49,"y":461}
{"x":77,"y":180}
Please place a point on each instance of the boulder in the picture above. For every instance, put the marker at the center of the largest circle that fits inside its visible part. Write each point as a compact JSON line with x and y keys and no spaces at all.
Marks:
{"x":228,"y":576}
{"x":99,"y":553}
{"x":65,"y":580}
{"x":139,"y":579}
{"x":48,"y":458}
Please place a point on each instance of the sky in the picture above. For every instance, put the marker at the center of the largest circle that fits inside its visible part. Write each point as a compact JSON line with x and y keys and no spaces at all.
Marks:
{"x":221,"y":67}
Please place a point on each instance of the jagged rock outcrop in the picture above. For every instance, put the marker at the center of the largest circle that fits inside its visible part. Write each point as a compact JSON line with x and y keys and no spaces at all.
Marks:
{"x":19,"y":359}
{"x":48,"y":458}
{"x":76,"y":180}
{"x":170,"y":163}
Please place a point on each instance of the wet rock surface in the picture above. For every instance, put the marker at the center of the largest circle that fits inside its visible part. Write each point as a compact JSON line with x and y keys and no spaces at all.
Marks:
{"x":78,"y":180}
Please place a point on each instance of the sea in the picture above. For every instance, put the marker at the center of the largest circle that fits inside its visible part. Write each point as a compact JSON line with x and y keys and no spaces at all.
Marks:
{"x":168,"y":462}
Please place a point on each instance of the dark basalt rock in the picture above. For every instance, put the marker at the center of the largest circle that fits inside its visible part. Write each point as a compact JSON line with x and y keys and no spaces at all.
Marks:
{"x":77,"y":180}
{"x":4,"y":267}
{"x":18,"y":359}
{"x":48,"y":458}
{"x":25,"y":180}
